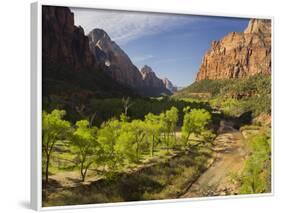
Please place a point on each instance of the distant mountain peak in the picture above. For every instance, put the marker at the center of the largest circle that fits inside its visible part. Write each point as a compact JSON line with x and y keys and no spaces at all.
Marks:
{"x":148,"y":75}
{"x":169,"y":85}
{"x":147,"y":71}
{"x":151,"y":81}
{"x":119,"y":65}
{"x":146,"y":68}
{"x":98,"y":34}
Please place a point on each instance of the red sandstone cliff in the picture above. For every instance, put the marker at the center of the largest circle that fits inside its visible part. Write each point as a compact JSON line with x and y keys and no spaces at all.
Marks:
{"x":238,"y":55}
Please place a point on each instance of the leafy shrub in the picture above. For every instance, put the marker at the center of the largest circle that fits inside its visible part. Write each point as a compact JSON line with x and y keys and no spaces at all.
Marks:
{"x":235,"y":96}
{"x":256,"y":175}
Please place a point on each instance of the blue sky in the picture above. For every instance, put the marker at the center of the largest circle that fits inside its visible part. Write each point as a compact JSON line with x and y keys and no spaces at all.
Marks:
{"x":172,"y":45}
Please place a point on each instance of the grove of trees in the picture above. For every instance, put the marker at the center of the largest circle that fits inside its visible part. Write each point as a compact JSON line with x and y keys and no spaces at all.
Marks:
{"x":118,"y":141}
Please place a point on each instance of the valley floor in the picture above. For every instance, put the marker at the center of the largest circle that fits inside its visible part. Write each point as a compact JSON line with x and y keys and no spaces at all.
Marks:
{"x":200,"y":173}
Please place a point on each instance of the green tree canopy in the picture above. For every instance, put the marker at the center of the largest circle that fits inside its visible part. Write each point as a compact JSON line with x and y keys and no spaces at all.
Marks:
{"x":54,"y":128}
{"x":107,"y":138}
{"x":153,"y":130}
{"x":194,"y":121}
{"x":86,"y":146}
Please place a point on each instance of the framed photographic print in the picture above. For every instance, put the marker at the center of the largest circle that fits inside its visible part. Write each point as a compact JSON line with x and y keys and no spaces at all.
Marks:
{"x":148,"y":106}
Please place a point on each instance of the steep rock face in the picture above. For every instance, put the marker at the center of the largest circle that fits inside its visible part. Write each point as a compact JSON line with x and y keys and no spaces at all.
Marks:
{"x":238,"y":55}
{"x":62,"y":41}
{"x":149,"y":77}
{"x":69,"y":69}
{"x":258,"y":26}
{"x":169,"y":85}
{"x":152,"y":84}
{"x":113,"y":60}
{"x":93,"y":64}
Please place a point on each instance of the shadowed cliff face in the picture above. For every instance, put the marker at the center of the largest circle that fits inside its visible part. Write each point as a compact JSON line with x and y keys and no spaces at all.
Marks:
{"x":239,"y":55}
{"x":117,"y":63}
{"x":92,"y":65}
{"x":63,"y":41}
{"x":70,"y":70}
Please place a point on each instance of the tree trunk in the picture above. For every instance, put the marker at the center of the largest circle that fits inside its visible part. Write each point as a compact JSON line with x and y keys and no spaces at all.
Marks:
{"x":83,"y":177}
{"x":47,"y":171}
{"x":187,"y":138}
{"x":83,"y":174}
{"x":152,"y":147}
{"x":168,"y":142}
{"x":137,"y":151}
{"x":46,"y":179}
{"x":81,"y":171}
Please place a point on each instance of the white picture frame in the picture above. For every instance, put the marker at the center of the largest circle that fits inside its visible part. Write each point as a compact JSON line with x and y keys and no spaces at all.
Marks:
{"x":36,"y":103}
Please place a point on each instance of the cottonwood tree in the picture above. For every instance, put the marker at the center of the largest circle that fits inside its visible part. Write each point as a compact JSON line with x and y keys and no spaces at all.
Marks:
{"x":153,"y":129}
{"x":54,"y":128}
{"x":137,"y":128}
{"x":172,"y":119}
{"x":125,"y":144}
{"x":107,"y":138}
{"x":86,"y":146}
{"x":126,"y":104}
{"x":168,"y":121}
{"x":194,"y":121}
{"x":130,"y":138}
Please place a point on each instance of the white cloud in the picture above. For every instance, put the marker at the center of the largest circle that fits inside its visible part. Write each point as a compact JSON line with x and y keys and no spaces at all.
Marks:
{"x":125,"y":26}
